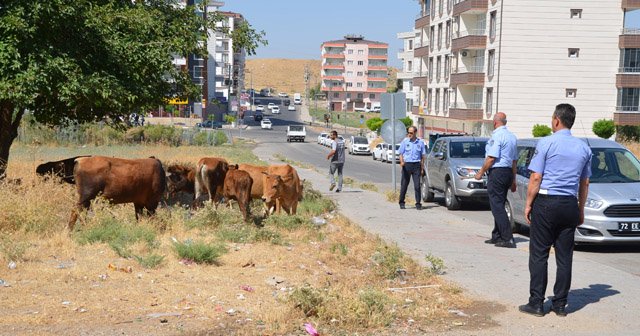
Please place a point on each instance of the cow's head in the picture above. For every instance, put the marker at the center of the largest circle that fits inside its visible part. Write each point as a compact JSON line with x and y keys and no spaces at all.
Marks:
{"x":301,"y":195}
{"x":233,"y":167}
{"x":178,"y":178}
{"x":272,"y":188}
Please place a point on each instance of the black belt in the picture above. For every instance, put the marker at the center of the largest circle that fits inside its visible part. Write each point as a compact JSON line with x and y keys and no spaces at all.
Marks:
{"x":556,"y":196}
{"x":490,"y":169}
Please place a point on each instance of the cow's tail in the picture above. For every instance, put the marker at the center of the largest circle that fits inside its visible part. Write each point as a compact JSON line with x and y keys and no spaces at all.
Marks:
{"x":199,"y":185}
{"x":163,"y":176}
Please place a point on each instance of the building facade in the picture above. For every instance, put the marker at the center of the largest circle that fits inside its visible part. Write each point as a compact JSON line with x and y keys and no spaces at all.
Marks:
{"x":354,"y":73}
{"x":406,"y":73}
{"x":480,"y":57}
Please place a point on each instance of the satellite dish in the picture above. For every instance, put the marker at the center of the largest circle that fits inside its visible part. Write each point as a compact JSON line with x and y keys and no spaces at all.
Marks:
{"x":386,"y":131}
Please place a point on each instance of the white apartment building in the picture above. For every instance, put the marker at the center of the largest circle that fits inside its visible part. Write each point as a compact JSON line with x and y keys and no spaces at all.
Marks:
{"x":480,"y":57}
{"x":228,"y":62}
{"x":409,"y":65}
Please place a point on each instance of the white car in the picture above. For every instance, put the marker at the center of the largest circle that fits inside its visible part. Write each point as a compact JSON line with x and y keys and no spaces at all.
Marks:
{"x":271,"y":106}
{"x":376,"y":109}
{"x":265,"y":124}
{"x":358,"y":145}
{"x":390,"y":153}
{"x":260,"y":108}
{"x":283,"y":95}
{"x":275,"y":110}
{"x":328,"y":141}
{"x":291,"y":108}
{"x":321,"y":137}
{"x":380,"y":151}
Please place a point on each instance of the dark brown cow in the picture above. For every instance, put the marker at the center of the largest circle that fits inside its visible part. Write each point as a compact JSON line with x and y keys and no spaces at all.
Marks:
{"x":61,"y":168}
{"x":182,"y":178}
{"x":282,"y":185}
{"x":141,"y":182}
{"x":237,"y":186}
{"x":210,"y":174}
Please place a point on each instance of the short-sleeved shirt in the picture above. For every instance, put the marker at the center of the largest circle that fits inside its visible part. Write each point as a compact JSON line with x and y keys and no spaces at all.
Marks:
{"x":563,"y":160}
{"x":503,"y":147}
{"x":412,"y":151}
{"x":338,"y":146}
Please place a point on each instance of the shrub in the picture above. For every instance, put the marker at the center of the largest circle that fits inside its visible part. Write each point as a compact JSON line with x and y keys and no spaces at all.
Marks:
{"x":307,"y":299}
{"x":374,"y":124}
{"x":161,"y":134}
{"x":406,"y":121}
{"x":628,"y":133}
{"x":119,"y":236}
{"x":229,"y":118}
{"x":150,"y":261}
{"x":134,"y":135}
{"x":436,"y":264}
{"x":388,"y":259}
{"x":604,"y":128}
{"x":200,"y":252}
{"x":541,"y":130}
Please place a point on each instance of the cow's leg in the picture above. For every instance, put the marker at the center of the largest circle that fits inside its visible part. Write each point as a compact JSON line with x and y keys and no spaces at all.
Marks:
{"x":294,"y":208}
{"x":138,"y":208}
{"x":84,"y":203}
{"x":243,"y":208}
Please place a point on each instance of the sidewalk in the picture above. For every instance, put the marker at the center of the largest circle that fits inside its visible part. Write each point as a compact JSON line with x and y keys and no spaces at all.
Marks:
{"x":603,"y":300}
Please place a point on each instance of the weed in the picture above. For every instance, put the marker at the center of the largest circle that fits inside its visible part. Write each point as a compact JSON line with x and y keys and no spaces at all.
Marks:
{"x":394,"y":197}
{"x":12,"y":250}
{"x":119,"y":236}
{"x":368,"y":186}
{"x":267,"y":235}
{"x":435,"y":264}
{"x":210,"y":217}
{"x":200,"y":252}
{"x":150,"y":261}
{"x":308,"y":299}
{"x":315,"y":206}
{"x":287,"y":222}
{"x":242,"y":233}
{"x":340,"y":247}
{"x":348,"y":181}
{"x":388,"y":259}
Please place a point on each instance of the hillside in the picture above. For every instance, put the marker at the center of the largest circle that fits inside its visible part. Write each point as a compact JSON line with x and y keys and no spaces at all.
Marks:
{"x":286,"y":75}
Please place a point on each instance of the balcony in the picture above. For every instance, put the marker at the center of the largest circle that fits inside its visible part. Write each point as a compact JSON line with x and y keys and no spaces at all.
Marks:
{"x":333,"y":77}
{"x":404,"y":75}
{"x":377,"y":79}
{"x":628,"y":118}
{"x":422,"y":20}
{"x":333,"y":67}
{"x":470,"y":7}
{"x":332,"y":55}
{"x":377,"y":68}
{"x":377,"y":90}
{"x":378,"y":57}
{"x":333,"y":89}
{"x":421,"y":52}
{"x":421,"y":79}
{"x":471,"y":39}
{"x":628,"y":79}
{"x":466,"y":111}
{"x":473,"y":75}
{"x":630,"y":38}
{"x":630,"y":4}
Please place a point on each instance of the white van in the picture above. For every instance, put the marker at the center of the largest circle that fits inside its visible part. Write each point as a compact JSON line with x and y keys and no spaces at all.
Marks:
{"x":297,"y":99}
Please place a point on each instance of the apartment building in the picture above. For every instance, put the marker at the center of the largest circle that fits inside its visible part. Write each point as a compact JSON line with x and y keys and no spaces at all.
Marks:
{"x":354,"y":73}
{"x":480,"y":57}
{"x":229,"y":63}
{"x":409,"y":65}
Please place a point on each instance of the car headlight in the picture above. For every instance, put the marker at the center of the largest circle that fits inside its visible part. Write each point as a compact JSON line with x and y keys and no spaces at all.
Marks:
{"x":593,"y":204}
{"x":466,"y":172}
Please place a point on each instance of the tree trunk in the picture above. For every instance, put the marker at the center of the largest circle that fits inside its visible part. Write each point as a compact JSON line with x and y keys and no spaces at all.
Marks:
{"x":8,"y":132}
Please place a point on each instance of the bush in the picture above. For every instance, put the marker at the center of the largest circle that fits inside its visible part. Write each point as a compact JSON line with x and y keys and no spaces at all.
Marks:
{"x":200,"y":252}
{"x":229,"y":118}
{"x":628,"y":133}
{"x":374,"y":124}
{"x":307,"y":299}
{"x":541,"y":130}
{"x":604,"y":128}
{"x":134,"y":135}
{"x":161,"y":134}
{"x":119,"y":236}
{"x":406,"y":121}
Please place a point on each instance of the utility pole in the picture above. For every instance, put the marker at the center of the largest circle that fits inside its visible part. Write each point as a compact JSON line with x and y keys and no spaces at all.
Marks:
{"x":306,"y":83}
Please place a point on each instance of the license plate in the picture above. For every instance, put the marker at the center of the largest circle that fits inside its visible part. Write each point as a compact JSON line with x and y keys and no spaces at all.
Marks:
{"x":629,"y":226}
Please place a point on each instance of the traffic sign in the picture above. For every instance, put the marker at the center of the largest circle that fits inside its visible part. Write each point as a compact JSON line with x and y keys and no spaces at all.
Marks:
{"x":387,"y":131}
{"x":390,"y":102}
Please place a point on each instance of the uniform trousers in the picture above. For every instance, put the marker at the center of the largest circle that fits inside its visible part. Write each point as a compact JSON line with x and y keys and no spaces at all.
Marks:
{"x":410,"y":170}
{"x":498,"y":185}
{"x":553,"y":222}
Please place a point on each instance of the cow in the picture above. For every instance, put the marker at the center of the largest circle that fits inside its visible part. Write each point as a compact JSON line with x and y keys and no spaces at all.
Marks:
{"x":237,"y":186}
{"x":181,"y":178}
{"x":282,"y":185}
{"x":61,"y":168}
{"x":210,"y":174}
{"x":141,"y":182}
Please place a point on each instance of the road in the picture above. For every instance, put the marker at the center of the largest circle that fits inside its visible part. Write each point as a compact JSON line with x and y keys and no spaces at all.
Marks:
{"x":364,"y":169}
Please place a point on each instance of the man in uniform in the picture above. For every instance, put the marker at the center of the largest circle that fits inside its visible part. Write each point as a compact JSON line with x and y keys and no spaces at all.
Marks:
{"x":412,"y":153}
{"x":557,"y":192}
{"x":337,"y":160}
{"x":500,"y":162}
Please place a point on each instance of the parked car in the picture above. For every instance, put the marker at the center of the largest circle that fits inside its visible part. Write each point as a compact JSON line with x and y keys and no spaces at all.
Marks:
{"x":286,"y":102}
{"x":321,"y":137}
{"x":328,"y":141}
{"x":358,"y":145}
{"x":451,"y":167}
{"x":257,"y":116}
{"x":291,"y":108}
{"x":612,"y":209}
{"x":376,"y":109}
{"x":265,"y":124}
{"x":209,"y":124}
{"x":390,"y":153}
{"x":296,"y":133}
{"x":379,"y":152}
{"x":260,"y":108}
{"x":275,"y":110}
{"x":271,"y":106}
{"x":283,"y":95}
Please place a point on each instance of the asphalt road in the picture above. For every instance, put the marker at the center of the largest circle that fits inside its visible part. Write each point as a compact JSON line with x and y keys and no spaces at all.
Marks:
{"x":364,"y":169}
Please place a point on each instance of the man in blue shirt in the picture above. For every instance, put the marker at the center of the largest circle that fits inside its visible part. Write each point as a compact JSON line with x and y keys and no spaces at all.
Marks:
{"x":556,"y":195}
{"x":500,"y":163}
{"x":412,"y":153}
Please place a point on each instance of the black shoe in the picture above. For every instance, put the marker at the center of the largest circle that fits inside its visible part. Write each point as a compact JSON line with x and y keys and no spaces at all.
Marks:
{"x":419,"y":206}
{"x":401,"y":206}
{"x":560,"y":311}
{"x":337,"y":190}
{"x":492,"y":241}
{"x":530,"y":309}
{"x":506,"y":243}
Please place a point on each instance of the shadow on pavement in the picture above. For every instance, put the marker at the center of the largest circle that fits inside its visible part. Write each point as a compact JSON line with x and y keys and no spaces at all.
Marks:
{"x":580,"y":298}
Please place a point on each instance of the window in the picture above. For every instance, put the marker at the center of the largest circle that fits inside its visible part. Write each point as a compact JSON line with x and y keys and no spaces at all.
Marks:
{"x":348,"y":94}
{"x":438,"y":67}
{"x":429,"y":100}
{"x":489,"y":107}
{"x":446,"y":67}
{"x":336,"y":94}
{"x":574,"y":52}
{"x":440,"y":36}
{"x":448,"y":34}
{"x":372,"y":96}
{"x":360,"y":52}
{"x":628,"y":99}
{"x":576,"y":13}
{"x":437,"y":100}
{"x":349,"y":84}
{"x":349,"y":73}
{"x":359,"y":85}
{"x":360,"y":95}
{"x":440,"y":7}
{"x":630,"y":60}
{"x":360,"y":62}
{"x":409,"y":66}
{"x":433,"y":7}
{"x":430,"y":68}
{"x":492,"y":25}
{"x":445,"y":100}
{"x":350,"y":51}
{"x":524,"y":158}
{"x":491,"y":65}
{"x":432,"y":34}
{"x":349,"y":62}
{"x":360,"y":73}
{"x":571,"y":93}
{"x":410,"y":83}
{"x":410,"y":45}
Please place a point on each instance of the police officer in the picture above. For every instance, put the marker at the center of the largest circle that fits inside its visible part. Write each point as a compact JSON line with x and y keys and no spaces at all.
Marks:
{"x":500,"y":162}
{"x":412,"y":153}
{"x":557,"y":192}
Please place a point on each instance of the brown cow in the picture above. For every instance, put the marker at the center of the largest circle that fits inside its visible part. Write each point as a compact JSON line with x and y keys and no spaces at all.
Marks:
{"x":237,"y":186}
{"x":210,"y":174}
{"x":282,"y":185}
{"x":141,"y":182}
{"x":61,"y":168}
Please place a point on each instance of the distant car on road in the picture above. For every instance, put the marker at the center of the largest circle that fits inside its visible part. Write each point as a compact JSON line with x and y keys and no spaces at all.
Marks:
{"x":286,"y":102}
{"x":328,"y":141}
{"x":321,"y":137}
{"x":358,"y":145}
{"x":257,"y":116}
{"x":296,"y":133}
{"x":380,"y":151}
{"x":291,"y":108}
{"x":376,"y":109}
{"x":271,"y":105}
{"x":259,"y":108}
{"x":265,"y":124}
{"x":283,"y":95}
{"x":275,"y":110}
{"x":209,"y":124}
{"x":390,"y":153}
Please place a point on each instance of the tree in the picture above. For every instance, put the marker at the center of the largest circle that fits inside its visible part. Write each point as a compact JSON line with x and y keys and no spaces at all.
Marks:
{"x":604,"y":128}
{"x":374,"y":124}
{"x":541,"y":130}
{"x":406,"y":121}
{"x":86,"y":60}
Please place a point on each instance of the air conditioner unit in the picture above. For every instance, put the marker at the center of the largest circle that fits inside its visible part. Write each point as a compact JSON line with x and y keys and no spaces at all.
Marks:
{"x":464,"y":53}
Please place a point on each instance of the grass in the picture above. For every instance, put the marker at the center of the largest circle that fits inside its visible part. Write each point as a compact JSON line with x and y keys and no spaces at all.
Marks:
{"x":394,"y":197}
{"x":368,"y":186}
{"x":200,"y":252}
{"x":352,"y":118}
{"x":303,"y":165}
{"x":119,"y":236}
{"x":436,"y":264}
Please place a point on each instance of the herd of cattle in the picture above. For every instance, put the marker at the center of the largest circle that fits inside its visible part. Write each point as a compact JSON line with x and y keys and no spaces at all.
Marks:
{"x":144,"y":182}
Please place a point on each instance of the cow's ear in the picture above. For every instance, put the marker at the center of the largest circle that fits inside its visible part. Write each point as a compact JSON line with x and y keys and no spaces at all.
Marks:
{"x":279,"y":177}
{"x":236,"y":166}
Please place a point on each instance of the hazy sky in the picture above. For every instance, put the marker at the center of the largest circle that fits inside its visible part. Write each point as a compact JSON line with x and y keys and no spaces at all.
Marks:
{"x":297,"y":28}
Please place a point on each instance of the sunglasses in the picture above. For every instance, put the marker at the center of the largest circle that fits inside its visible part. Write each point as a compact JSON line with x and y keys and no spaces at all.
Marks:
{"x":410,"y":133}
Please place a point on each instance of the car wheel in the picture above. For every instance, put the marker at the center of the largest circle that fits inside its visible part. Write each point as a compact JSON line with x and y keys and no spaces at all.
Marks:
{"x":450,"y":199}
{"x":427,"y":194}
{"x":514,"y":226}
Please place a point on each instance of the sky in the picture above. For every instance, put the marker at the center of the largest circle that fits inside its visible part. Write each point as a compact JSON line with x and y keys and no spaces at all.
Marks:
{"x":297,"y":28}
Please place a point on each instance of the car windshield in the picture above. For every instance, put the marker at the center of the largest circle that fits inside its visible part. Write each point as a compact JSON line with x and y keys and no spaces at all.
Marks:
{"x":614,"y":165}
{"x":296,"y":128}
{"x":360,"y":141}
{"x":467,"y":149}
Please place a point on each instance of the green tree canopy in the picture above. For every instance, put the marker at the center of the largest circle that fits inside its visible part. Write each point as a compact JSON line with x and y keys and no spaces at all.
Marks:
{"x":88,"y":60}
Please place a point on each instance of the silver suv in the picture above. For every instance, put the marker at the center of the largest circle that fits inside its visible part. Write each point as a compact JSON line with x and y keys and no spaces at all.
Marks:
{"x":450,"y":168}
{"x":612,"y":210}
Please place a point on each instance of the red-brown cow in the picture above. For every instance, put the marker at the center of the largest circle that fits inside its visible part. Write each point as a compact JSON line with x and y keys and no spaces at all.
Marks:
{"x":282,"y":185}
{"x":141,"y":182}
{"x":181,"y":178}
{"x":237,"y":186}
{"x":210,"y":174}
